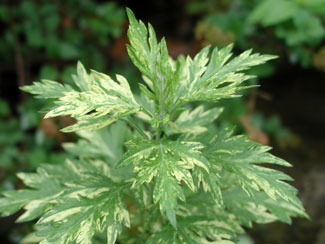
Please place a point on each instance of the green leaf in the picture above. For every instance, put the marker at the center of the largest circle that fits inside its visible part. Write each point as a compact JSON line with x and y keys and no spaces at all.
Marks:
{"x":263,"y":210}
{"x":68,"y":51}
{"x":216,"y":79}
{"x":169,"y":163}
{"x":4,"y":108}
{"x":100,"y":102}
{"x":272,"y":12}
{"x":82,"y":79}
{"x":76,"y":200}
{"x":283,"y":210}
{"x":167,"y":190}
{"x":106,"y":143}
{"x":316,"y":6}
{"x":193,"y":121}
{"x":307,"y":29}
{"x":152,"y":59}
{"x":220,"y":229}
{"x":210,"y":182}
{"x":49,"y":72}
{"x":47,"y":89}
{"x":78,"y":218}
{"x":35,"y":201}
{"x":238,"y":155}
{"x":137,"y":151}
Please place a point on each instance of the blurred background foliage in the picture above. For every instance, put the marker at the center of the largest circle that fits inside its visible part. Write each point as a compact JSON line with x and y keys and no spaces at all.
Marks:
{"x":292,"y":29}
{"x":44,"y":39}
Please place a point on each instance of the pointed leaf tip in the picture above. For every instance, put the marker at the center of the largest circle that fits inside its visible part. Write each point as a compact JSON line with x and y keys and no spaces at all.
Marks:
{"x":130,"y":14}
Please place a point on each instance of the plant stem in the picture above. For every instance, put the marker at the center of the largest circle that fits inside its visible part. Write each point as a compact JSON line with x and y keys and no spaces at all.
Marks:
{"x":134,"y":125}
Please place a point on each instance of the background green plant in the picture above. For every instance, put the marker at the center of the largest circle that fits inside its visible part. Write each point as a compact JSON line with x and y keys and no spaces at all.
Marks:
{"x":297,"y":25}
{"x":50,"y":36}
{"x":20,"y":150}
{"x":57,"y":33}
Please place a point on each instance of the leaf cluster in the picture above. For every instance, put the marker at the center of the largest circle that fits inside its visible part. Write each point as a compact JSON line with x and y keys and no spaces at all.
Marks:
{"x":181,"y":178}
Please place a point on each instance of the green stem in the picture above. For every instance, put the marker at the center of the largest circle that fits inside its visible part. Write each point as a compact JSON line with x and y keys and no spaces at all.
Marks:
{"x":134,"y":125}
{"x":158,"y":134}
